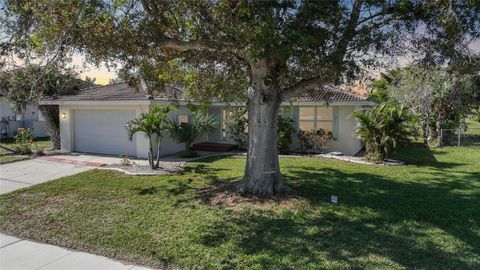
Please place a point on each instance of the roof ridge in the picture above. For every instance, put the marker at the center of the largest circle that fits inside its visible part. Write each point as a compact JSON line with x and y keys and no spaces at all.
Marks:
{"x":338,"y":89}
{"x":102,"y":86}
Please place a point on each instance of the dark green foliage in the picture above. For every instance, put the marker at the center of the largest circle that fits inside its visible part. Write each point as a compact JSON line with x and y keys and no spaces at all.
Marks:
{"x":236,"y":125}
{"x":187,"y":133}
{"x":31,"y":83}
{"x":285,"y":131}
{"x":315,"y":140}
{"x":154,"y":122}
{"x":382,"y":128}
{"x":380,"y":87}
{"x":24,"y":141}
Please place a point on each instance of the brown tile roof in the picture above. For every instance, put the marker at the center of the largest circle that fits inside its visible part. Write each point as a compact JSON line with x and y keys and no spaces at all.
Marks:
{"x":124,"y":92}
{"x":328,"y":93}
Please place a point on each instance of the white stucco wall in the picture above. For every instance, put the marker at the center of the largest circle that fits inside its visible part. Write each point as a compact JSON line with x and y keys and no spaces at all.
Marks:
{"x":344,"y":127}
{"x":346,"y":142}
{"x":30,"y":119}
{"x":169,"y":146}
{"x":5,"y":110}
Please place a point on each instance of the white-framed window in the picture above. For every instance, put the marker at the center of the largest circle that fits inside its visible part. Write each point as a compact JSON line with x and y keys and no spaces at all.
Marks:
{"x":315,"y":117}
{"x":183,"y":118}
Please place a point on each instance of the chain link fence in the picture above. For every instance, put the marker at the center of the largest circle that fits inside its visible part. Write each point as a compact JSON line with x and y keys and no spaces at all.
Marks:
{"x":460,"y":137}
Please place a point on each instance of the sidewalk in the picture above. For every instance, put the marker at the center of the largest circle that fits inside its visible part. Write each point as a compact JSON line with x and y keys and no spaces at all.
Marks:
{"x":18,"y":254}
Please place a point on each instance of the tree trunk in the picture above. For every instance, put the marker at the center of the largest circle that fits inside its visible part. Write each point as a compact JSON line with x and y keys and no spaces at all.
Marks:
{"x":425,"y":129}
{"x":438,"y":126}
{"x":52,"y":116}
{"x":159,"y":145}
{"x":262,"y":171}
{"x":150,"y":153}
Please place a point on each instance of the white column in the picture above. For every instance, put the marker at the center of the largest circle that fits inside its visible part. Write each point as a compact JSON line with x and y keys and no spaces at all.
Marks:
{"x":66,"y":129}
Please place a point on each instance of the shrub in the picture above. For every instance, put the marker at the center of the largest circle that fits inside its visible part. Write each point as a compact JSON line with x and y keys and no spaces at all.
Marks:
{"x":382,"y":128}
{"x":126,"y":160}
{"x":236,"y":126}
{"x":315,"y":140}
{"x":285,"y":130}
{"x":24,"y":141}
{"x":187,"y":133}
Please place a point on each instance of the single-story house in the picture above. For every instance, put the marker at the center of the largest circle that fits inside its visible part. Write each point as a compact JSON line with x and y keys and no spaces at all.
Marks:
{"x":10,"y":121}
{"x":94,"y":120}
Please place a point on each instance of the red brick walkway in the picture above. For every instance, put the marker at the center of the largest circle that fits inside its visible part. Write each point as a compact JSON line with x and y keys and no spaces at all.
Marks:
{"x":69,"y":161}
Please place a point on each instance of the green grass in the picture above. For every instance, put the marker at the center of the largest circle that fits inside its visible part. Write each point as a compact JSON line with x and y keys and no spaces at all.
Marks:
{"x":425,"y":215}
{"x":7,"y":157}
{"x":473,"y":127}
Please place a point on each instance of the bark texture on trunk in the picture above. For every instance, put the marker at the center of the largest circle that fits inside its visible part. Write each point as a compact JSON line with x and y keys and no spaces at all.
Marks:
{"x":425,"y":129}
{"x":51,"y":114}
{"x":262,"y":171}
{"x":159,"y":145}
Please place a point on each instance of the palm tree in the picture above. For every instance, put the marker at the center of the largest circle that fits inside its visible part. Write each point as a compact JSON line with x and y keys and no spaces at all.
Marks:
{"x":382,"y":128}
{"x":187,"y":132}
{"x":154,"y":122}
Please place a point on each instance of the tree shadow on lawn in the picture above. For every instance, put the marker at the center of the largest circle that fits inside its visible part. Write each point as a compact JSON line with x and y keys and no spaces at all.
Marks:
{"x":414,"y":153}
{"x":377,"y":222}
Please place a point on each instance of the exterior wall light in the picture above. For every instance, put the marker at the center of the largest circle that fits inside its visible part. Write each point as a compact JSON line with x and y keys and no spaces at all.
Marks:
{"x":64,"y":115}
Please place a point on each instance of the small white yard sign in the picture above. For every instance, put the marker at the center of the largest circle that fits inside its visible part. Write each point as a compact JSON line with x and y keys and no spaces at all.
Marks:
{"x":333,"y":199}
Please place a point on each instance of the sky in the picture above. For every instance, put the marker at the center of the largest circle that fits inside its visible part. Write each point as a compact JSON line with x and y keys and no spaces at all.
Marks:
{"x":103,"y":75}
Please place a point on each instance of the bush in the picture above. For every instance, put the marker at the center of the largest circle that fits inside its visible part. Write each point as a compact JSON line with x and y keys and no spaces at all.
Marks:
{"x":189,"y":153}
{"x":236,"y":126}
{"x":24,"y":141}
{"x":315,"y":140}
{"x":382,"y":128}
{"x":284,"y":133}
{"x":187,"y":133}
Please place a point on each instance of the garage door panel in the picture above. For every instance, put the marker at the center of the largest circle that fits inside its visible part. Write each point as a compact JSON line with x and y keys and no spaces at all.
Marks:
{"x":103,"y":132}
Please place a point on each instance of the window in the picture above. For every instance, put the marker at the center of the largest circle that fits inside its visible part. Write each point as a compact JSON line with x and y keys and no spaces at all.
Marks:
{"x":183,"y":118}
{"x":315,"y":117}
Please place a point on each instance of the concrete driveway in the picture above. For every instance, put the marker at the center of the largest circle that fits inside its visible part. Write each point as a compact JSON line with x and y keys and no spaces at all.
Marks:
{"x":26,"y":173}
{"x":19,"y":254}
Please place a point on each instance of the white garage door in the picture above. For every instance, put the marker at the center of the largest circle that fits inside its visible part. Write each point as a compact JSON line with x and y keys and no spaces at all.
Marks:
{"x":103,"y":132}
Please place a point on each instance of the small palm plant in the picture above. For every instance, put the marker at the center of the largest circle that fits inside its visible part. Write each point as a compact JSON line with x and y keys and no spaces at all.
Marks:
{"x":154,"y":122}
{"x":187,"y":132}
{"x":382,"y":128}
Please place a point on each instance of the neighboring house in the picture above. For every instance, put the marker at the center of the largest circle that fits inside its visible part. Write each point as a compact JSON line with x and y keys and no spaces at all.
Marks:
{"x":30,"y":118}
{"x":94,"y":120}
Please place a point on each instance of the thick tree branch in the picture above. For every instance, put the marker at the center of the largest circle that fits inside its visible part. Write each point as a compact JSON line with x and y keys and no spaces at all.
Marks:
{"x":303,"y":86}
{"x":348,"y":33}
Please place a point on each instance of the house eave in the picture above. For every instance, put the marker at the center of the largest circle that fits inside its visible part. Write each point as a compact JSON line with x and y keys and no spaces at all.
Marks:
{"x":215,"y":104}
{"x":334,"y":103}
{"x":95,"y":102}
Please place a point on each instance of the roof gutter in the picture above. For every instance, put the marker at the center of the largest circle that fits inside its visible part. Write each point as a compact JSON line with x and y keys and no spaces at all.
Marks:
{"x":215,"y":104}
{"x":95,"y":102}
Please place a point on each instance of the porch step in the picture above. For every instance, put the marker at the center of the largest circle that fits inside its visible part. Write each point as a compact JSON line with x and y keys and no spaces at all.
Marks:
{"x":214,"y":147}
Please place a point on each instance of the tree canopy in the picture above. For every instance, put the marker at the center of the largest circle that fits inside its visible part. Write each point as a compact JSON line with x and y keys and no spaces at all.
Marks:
{"x":263,"y":51}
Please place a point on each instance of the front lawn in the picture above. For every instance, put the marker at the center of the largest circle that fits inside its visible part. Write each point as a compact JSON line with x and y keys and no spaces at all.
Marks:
{"x":424,"y":215}
{"x":7,"y":157}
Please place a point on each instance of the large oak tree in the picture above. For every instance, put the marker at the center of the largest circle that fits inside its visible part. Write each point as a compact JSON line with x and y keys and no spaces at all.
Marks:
{"x":277,"y":49}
